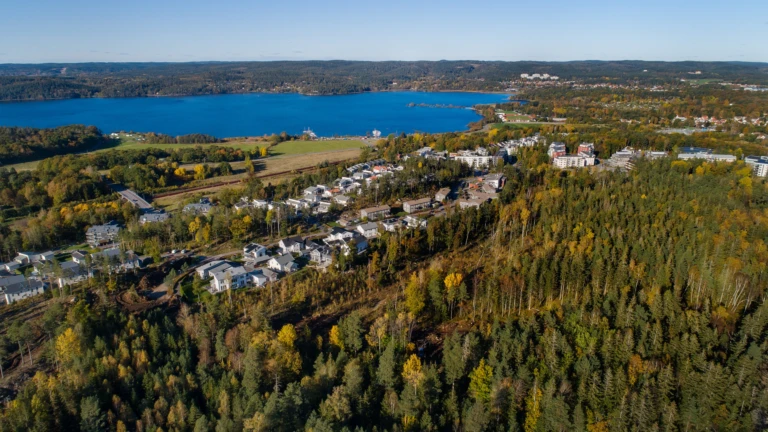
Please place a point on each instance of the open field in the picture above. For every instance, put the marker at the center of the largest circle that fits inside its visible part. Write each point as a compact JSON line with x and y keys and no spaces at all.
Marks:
{"x":299,"y":147}
{"x":287,"y":147}
{"x":284,"y":148}
{"x":514,"y":117}
{"x":275,"y":169}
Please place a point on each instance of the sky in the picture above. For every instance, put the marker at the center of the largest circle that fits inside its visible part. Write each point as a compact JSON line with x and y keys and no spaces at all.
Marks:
{"x":39,"y":31}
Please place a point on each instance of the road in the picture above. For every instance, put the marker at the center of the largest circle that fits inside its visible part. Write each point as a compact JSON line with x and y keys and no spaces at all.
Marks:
{"x":131,"y":196}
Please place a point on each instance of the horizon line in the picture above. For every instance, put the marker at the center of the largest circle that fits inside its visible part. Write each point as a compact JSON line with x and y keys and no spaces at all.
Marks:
{"x":375,"y":61}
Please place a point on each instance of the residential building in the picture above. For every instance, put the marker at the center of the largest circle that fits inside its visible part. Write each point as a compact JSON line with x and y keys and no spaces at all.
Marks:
{"x":115,"y":259}
{"x":314,"y":193}
{"x":6,"y":281}
{"x":283,"y":263}
{"x":322,"y":255}
{"x":298,"y":204}
{"x":417,"y":205}
{"x":708,"y":156}
{"x":759,"y":164}
{"x":323,"y":207}
{"x":495,"y":180}
{"x":569,"y":161}
{"x":255,"y":252}
{"x":442,"y":194}
{"x":391,"y":225}
{"x":10,"y":267}
{"x":154,"y":216}
{"x":24,"y":258}
{"x":339,"y":234}
{"x":556,"y":149}
{"x":260,"y":277}
{"x":243,"y":204}
{"x":478,"y":158}
{"x":71,"y":273}
{"x":231,"y":278}
{"x":415,"y":222}
{"x":342,"y":200}
{"x":201,"y":208}
{"x":586,"y":148}
{"x":293,"y":244}
{"x":79,"y":256}
{"x":375,"y":212}
{"x":99,"y":235}
{"x":205,"y":270}
{"x":466,"y":203}
{"x":24,"y":289}
{"x":368,"y":230}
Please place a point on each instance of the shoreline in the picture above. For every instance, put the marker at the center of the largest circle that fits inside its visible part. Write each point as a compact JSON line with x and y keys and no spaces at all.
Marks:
{"x":181,"y":95}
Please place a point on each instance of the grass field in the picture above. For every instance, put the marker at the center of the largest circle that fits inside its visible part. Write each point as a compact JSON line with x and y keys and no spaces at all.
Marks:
{"x":270,"y":165}
{"x":284,"y":148}
{"x":300,"y":147}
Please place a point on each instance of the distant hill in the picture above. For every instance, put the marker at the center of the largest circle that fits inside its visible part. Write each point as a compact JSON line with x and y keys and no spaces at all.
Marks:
{"x":84,"y":80}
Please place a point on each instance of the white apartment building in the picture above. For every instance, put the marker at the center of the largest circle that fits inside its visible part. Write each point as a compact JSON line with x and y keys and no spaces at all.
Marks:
{"x":759,"y":165}
{"x":570,"y":161}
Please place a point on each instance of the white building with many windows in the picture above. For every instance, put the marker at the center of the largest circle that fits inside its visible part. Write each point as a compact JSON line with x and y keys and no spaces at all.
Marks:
{"x":759,"y":165}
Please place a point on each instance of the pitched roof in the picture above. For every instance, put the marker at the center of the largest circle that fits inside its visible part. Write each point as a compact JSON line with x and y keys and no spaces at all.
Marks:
{"x":284,"y":259}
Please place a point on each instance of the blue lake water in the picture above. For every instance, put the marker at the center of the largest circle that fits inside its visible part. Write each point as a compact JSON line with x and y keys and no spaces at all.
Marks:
{"x":257,"y":114}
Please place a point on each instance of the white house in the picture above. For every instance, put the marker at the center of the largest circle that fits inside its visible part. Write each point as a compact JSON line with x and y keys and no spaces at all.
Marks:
{"x":24,"y":289}
{"x":391,"y":225}
{"x":322,"y":255}
{"x":230,"y":278}
{"x":205,"y":270}
{"x":25,"y":258}
{"x":368,"y":230}
{"x":291,"y":244}
{"x":255,"y":252}
{"x":342,"y":200}
{"x":283,"y":263}
{"x":415,"y":222}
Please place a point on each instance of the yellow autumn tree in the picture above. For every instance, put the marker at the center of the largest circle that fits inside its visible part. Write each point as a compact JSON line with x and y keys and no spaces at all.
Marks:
{"x":180,"y":173}
{"x":532,"y":409}
{"x":415,"y":296}
{"x":68,"y":346}
{"x":412,"y":370}
{"x":287,"y":335}
{"x":263,"y":152}
{"x":480,"y":381}
{"x":335,"y":337}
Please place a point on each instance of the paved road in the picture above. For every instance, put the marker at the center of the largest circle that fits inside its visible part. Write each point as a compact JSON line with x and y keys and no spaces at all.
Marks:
{"x":131,"y":196}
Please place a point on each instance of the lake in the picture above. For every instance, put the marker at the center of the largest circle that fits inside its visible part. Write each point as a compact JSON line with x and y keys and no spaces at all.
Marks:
{"x":259,"y":113}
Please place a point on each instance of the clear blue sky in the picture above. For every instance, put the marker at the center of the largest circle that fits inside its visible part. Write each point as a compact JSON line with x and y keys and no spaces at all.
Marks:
{"x":33,"y":31}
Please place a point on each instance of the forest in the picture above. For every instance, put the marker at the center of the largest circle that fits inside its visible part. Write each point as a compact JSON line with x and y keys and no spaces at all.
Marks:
{"x":85,"y":80}
{"x":578,"y":300}
{"x":21,"y":144}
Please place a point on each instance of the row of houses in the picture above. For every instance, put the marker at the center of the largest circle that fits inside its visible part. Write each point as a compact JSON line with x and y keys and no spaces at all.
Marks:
{"x":479,"y":158}
{"x":513,"y":146}
{"x":319,"y":199}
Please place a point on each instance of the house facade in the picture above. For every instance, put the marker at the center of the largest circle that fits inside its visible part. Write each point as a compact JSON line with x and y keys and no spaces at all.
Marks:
{"x":375,"y":212}
{"x":417,"y":205}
